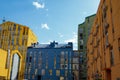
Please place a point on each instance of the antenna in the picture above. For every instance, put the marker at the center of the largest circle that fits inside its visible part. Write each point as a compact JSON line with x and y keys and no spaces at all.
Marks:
{"x":3,"y":19}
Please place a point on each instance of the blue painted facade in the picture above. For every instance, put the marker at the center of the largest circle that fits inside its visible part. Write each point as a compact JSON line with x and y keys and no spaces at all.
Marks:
{"x":49,"y":62}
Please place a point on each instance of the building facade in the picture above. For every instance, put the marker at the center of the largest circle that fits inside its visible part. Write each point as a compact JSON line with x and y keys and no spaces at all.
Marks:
{"x":83,"y":33}
{"x":16,"y":37}
{"x":75,"y":65}
{"x":103,"y":47}
{"x":49,"y":62}
{"x":10,"y":64}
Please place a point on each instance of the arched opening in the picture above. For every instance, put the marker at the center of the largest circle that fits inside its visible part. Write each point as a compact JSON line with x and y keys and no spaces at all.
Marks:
{"x":15,"y":67}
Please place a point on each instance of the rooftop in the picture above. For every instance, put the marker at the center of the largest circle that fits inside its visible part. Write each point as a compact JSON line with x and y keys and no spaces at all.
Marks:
{"x":51,"y":45}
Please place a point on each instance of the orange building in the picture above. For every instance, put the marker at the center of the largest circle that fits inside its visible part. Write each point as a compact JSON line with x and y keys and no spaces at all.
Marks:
{"x":103,"y":47}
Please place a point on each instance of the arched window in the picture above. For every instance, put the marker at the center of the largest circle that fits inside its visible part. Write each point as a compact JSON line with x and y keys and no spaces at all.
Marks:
{"x":15,"y":67}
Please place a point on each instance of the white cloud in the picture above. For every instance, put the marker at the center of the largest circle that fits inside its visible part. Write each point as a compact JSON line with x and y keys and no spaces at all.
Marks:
{"x":38,"y":5}
{"x":60,"y":35}
{"x":73,"y":40}
{"x":45,"y":26}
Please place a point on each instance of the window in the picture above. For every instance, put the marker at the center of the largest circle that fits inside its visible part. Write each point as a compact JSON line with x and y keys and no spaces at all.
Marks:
{"x":18,"y":28}
{"x":55,"y":62}
{"x":57,"y":72}
{"x":62,"y":66}
{"x":62,"y":54}
{"x":75,"y":67}
{"x":104,"y":10}
{"x":43,"y":71}
{"x":62,"y":60}
{"x":46,"y":64}
{"x":119,"y":44}
{"x":14,"y":27}
{"x":40,"y":53}
{"x":15,"y":67}
{"x":75,"y":60}
{"x":30,"y":59}
{"x":36,"y":71}
{"x":50,"y":72}
{"x":66,"y":73}
{"x":81,"y":30}
{"x":24,"y":31}
{"x":81,"y":42}
{"x":66,"y":60}
{"x":66,"y":66}
{"x":112,"y":56}
{"x":81,"y":36}
{"x":81,"y":46}
{"x":12,"y":42}
{"x":33,"y":76}
{"x":29,"y":71}
{"x":61,"y":78}
{"x":107,"y":43}
{"x":17,"y":41}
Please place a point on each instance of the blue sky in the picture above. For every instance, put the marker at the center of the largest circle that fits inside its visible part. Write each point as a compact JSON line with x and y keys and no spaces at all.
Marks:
{"x":49,"y":19}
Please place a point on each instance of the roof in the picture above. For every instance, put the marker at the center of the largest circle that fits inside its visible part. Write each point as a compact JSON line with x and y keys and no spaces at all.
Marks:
{"x":52,"y":45}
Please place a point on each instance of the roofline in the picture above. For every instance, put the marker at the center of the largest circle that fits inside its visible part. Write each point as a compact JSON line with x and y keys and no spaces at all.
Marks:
{"x":90,"y":16}
{"x":14,"y":23}
{"x":86,"y":18}
{"x":81,"y":23}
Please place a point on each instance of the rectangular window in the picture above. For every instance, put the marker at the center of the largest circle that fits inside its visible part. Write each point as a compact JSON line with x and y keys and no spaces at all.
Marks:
{"x":50,"y":72}
{"x":43,"y":71}
{"x":81,"y":46}
{"x":107,"y":42}
{"x":66,"y":73}
{"x":14,"y":27}
{"x":46,"y":65}
{"x":61,"y":66}
{"x":62,"y":54}
{"x":57,"y":72}
{"x":112,"y":56}
{"x":30,"y":59}
{"x":55,"y":62}
{"x":81,"y":36}
{"x":19,"y":28}
{"x":33,"y":76}
{"x":119,"y":44}
{"x":62,"y":60}
{"x":24,"y":31}
{"x":36,"y":70}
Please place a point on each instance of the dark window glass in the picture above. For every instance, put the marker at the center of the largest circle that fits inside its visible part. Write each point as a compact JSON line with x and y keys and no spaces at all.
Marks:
{"x":81,"y":46}
{"x":30,"y":60}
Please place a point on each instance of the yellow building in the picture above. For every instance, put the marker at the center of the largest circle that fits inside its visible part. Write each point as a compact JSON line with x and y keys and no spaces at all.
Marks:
{"x":103,"y":47}
{"x":16,"y":37}
{"x":10,"y":64}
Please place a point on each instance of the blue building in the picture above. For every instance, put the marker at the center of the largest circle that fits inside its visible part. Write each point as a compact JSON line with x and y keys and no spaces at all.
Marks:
{"x":49,"y":61}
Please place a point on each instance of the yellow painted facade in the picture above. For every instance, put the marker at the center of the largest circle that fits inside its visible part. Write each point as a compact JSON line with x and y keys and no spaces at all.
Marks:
{"x":16,"y":37}
{"x":3,"y":71}
{"x":103,"y":47}
{"x":6,"y":65}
